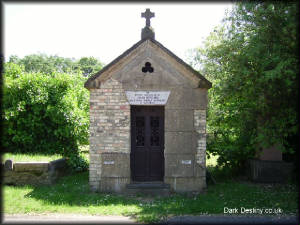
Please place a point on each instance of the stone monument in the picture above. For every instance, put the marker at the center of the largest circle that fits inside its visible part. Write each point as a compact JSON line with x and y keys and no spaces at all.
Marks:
{"x":147,"y":121}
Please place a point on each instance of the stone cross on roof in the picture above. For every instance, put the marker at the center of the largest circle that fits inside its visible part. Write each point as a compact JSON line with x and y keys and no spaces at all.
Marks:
{"x":148,"y":15}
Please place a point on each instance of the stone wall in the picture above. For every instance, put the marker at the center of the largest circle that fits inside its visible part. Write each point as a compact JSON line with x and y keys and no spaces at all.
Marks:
{"x":109,"y":137}
{"x":200,"y":128}
{"x":185,"y":121}
{"x":33,"y":173}
{"x":185,"y":146}
{"x":269,"y":171}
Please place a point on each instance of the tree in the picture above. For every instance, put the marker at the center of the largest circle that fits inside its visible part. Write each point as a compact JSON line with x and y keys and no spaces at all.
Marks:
{"x":44,"y":64}
{"x":41,"y":63}
{"x":252,"y":61}
{"x":89,"y":65}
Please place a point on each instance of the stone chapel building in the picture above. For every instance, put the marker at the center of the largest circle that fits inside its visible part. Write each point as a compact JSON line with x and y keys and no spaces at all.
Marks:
{"x":147,"y":121}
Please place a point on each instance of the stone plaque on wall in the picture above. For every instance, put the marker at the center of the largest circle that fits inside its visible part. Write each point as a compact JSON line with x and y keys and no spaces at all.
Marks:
{"x":147,"y":97}
{"x":187,"y":162}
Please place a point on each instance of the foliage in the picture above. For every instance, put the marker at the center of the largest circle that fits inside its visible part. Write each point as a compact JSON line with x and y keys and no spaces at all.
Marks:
{"x":44,"y":64}
{"x":50,"y":64}
{"x":252,"y":61}
{"x":45,"y":113}
{"x":89,"y":65}
{"x":72,"y":195}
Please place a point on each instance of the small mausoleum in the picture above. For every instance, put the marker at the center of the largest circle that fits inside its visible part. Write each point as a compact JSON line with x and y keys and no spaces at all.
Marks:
{"x":147,"y":121}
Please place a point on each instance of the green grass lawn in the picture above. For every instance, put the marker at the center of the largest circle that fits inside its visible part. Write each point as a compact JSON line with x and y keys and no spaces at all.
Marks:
{"x":29,"y":157}
{"x":71,"y":195}
{"x":19,"y":157}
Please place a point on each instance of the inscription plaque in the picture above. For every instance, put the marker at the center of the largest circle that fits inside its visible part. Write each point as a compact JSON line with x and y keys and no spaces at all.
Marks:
{"x":109,"y":162}
{"x":147,"y":97}
{"x":186,"y":162}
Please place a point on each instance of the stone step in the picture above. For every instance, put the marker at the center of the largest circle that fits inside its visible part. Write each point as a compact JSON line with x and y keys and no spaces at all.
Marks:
{"x":149,"y":188}
{"x":148,"y":185}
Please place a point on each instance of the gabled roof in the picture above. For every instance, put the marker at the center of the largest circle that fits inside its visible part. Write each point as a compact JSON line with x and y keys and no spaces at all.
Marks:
{"x":204,"y":82}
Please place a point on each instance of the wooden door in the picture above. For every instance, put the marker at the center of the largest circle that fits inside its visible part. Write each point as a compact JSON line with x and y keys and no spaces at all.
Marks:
{"x":147,"y":143}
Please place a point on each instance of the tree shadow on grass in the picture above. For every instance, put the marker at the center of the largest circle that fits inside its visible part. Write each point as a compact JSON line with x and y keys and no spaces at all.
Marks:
{"x":73,"y":191}
{"x":72,"y":194}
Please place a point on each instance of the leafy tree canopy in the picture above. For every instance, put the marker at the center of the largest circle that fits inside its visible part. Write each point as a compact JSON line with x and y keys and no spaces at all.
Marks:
{"x":252,"y":61}
{"x":49,"y":64}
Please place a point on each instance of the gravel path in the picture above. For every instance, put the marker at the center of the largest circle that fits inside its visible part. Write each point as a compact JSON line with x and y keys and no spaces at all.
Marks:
{"x":64,"y":218}
{"x":89,"y":219}
{"x":221,"y":219}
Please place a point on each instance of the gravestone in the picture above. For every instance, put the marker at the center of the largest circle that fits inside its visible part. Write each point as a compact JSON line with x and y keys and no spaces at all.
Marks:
{"x":147,"y":121}
{"x":268,"y":166}
{"x":270,"y":154}
{"x":8,"y":165}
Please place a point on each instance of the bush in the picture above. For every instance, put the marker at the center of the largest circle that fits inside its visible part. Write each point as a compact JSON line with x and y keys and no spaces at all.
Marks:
{"x":231,"y":156}
{"x":45,"y":113}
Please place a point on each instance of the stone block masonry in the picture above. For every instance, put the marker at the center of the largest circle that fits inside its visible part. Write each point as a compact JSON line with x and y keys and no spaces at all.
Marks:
{"x":185,"y":155}
{"x":109,"y":135}
{"x":200,"y":128}
{"x":112,"y":165}
{"x":33,"y":173}
{"x":110,"y":142}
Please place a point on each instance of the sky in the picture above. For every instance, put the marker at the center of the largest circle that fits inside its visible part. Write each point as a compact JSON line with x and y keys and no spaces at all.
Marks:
{"x":104,"y":30}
